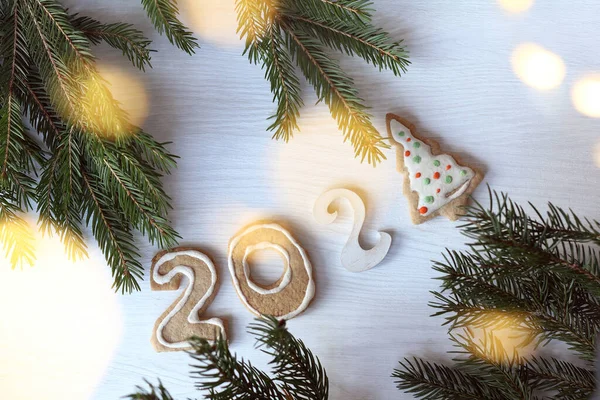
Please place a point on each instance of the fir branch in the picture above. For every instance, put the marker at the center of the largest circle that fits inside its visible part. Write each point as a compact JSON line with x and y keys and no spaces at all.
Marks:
{"x":285,"y":87}
{"x":255,"y":19}
{"x":539,"y":300}
{"x":122,"y":36}
{"x":66,"y":194}
{"x":48,"y":72}
{"x":307,"y":28}
{"x":505,"y":230}
{"x":151,"y":151}
{"x":14,"y":55}
{"x":225,"y":377}
{"x":337,"y":90}
{"x":113,"y":236}
{"x":152,"y":393}
{"x":163,"y":14}
{"x":489,"y":359}
{"x":57,"y":27}
{"x":565,"y":378}
{"x":370,"y":43}
{"x":58,"y":79}
{"x":222,"y":376}
{"x":131,"y":200}
{"x":295,"y":367}
{"x":536,"y":275}
{"x":356,"y":12}
{"x":432,"y":381}
{"x":42,"y":116}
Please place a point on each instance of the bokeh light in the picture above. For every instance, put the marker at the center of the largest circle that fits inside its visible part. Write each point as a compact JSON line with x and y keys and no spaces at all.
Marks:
{"x":516,"y":6}
{"x":597,"y":154}
{"x":129,"y":90}
{"x":61,"y":323}
{"x":18,"y":235}
{"x":504,"y":328}
{"x":538,"y":67}
{"x":113,"y":99}
{"x":586,"y":96}
{"x":212,"y":20}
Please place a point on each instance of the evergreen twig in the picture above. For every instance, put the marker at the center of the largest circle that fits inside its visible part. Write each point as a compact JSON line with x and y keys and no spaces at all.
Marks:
{"x":94,"y":167}
{"x":537,"y":275}
{"x":278,"y":33}
{"x":220,"y":375}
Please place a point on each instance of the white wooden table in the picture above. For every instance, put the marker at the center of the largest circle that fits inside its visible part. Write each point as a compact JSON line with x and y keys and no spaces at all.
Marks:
{"x":460,"y":90}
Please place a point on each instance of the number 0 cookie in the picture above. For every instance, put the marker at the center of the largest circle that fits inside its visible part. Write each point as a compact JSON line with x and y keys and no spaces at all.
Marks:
{"x":434,"y":183}
{"x":292,"y":292}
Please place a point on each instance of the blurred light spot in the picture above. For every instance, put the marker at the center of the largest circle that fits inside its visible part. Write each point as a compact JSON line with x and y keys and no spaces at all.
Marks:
{"x":597,"y":154}
{"x":213,"y":20}
{"x":19,"y":236}
{"x":538,"y":67}
{"x":586,"y":96}
{"x":61,"y":323}
{"x":516,"y":6}
{"x":113,"y":100}
{"x":98,"y":109}
{"x":505,"y":329}
{"x":129,"y":90}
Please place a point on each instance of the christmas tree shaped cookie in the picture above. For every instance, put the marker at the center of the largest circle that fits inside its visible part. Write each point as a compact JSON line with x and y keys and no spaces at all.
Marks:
{"x":435,"y":183}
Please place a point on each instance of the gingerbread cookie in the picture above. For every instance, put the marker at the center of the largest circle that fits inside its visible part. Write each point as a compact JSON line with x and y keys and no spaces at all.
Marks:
{"x":354,"y":258}
{"x":182,"y":319}
{"x":290,"y":294}
{"x":434,"y":183}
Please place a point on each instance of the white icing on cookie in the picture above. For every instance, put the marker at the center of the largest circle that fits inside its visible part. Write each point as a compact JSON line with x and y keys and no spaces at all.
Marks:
{"x":189,"y":273}
{"x":287,"y":275}
{"x":437,"y":179}
{"x":310,"y":288}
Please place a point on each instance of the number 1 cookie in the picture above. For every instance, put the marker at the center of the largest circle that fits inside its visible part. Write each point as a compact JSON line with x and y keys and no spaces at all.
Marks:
{"x":434,"y":182}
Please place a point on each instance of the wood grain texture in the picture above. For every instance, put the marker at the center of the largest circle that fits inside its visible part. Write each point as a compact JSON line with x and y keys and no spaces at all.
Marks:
{"x":460,"y":90}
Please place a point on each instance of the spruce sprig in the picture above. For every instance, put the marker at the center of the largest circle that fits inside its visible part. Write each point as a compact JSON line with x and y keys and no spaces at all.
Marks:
{"x":280,"y":33}
{"x":220,"y":375}
{"x":95,"y":168}
{"x":535,"y":273}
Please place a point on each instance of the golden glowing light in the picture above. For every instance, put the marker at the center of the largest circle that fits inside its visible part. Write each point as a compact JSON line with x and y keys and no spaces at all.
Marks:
{"x":538,"y":67}
{"x":19,"y":236}
{"x":505,"y":329}
{"x":597,"y":154}
{"x":129,"y":90}
{"x":61,"y":323}
{"x":586,"y":96}
{"x":516,"y":6}
{"x":112,"y":101}
{"x":213,"y":20}
{"x":98,"y":109}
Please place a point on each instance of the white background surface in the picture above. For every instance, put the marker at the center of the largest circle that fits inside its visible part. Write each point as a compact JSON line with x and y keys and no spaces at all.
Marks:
{"x":460,"y":90}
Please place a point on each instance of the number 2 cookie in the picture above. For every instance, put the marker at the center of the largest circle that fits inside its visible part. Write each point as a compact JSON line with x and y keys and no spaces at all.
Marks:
{"x":434,"y":183}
